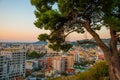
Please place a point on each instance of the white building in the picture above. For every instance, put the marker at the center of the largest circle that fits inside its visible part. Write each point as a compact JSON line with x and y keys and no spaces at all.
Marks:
{"x":32,"y":64}
{"x":3,"y":68}
{"x":77,"y":57}
{"x":12,"y":64}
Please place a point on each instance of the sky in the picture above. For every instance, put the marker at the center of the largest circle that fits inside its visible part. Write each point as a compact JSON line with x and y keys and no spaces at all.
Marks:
{"x":16,"y":23}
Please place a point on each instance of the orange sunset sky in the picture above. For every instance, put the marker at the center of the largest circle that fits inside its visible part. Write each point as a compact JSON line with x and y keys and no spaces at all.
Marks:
{"x":16,"y":23}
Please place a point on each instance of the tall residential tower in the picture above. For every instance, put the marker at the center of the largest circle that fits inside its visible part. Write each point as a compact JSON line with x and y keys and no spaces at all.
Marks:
{"x":12,"y":64}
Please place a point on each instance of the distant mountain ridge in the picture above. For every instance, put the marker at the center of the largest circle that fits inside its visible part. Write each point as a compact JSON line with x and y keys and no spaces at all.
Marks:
{"x":38,"y":42}
{"x":45,"y":43}
{"x":41,"y":42}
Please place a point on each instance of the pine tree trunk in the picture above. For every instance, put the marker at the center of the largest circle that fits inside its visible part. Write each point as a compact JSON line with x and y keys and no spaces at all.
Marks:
{"x":114,"y":75}
{"x":114,"y":68}
{"x":112,"y":55}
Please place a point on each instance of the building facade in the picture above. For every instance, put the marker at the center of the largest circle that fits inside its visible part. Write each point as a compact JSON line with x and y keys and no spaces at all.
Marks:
{"x":12,"y":64}
{"x":58,"y":64}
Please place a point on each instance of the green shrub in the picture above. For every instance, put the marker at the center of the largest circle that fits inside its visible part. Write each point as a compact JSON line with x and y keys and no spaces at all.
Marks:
{"x":98,"y":71}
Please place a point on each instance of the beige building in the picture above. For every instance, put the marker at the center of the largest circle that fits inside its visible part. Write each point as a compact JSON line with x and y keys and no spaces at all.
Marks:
{"x":58,"y":63}
{"x":62,"y":63}
{"x":29,"y":65}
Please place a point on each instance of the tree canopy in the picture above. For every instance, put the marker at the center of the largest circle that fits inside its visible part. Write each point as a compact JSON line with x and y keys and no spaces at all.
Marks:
{"x":71,"y":15}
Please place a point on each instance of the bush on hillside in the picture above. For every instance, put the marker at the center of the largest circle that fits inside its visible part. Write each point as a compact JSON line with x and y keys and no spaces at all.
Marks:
{"x":97,"y":72}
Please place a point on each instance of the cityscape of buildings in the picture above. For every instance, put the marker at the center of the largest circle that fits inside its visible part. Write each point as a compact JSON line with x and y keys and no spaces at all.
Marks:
{"x":23,"y":22}
{"x":15,"y":64}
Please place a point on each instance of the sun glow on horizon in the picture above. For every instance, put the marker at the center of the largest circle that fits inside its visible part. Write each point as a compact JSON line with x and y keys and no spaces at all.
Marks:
{"x":16,"y":23}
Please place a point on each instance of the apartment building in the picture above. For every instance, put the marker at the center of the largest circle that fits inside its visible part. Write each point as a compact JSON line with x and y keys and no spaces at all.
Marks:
{"x":3,"y":68}
{"x":12,"y":64}
{"x":69,"y":62}
{"x":58,"y":63}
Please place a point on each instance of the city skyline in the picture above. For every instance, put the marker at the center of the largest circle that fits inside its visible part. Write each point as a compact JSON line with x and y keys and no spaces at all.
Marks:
{"x":16,"y":23}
